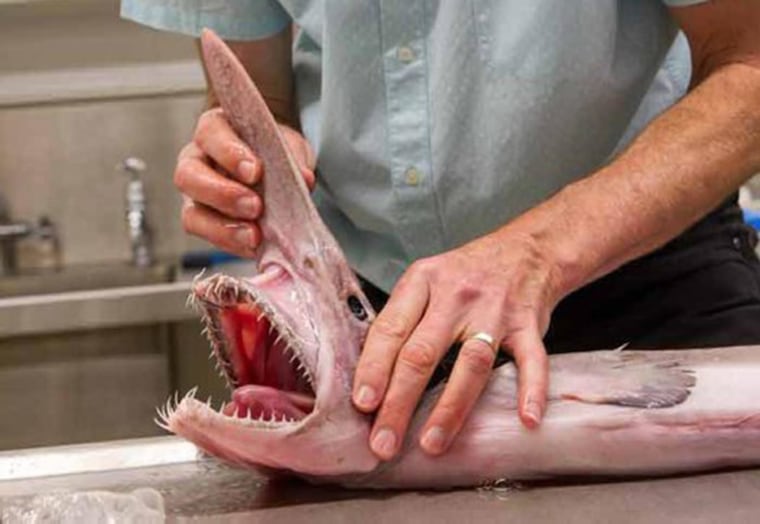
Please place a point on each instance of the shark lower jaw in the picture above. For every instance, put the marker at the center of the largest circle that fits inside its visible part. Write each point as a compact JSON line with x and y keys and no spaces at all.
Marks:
{"x":269,"y":367}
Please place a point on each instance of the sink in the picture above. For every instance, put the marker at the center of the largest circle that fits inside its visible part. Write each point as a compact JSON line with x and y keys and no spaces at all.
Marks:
{"x":73,"y":345}
{"x":90,"y":297}
{"x":82,"y":278}
{"x":88,"y":352}
{"x":98,"y":297}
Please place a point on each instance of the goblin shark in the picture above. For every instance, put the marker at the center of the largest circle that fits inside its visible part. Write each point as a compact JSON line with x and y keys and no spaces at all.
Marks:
{"x":287,"y":341}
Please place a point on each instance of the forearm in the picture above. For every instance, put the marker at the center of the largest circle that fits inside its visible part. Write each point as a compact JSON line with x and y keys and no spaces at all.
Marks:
{"x":282,"y":108}
{"x":683,"y":165}
{"x":269,"y":64}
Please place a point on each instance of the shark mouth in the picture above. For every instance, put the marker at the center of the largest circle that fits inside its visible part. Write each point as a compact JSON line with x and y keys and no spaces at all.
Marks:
{"x":257,"y":353}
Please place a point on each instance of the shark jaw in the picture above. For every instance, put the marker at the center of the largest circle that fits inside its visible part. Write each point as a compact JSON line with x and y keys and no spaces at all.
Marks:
{"x":266,"y":357}
{"x":290,"y":405}
{"x":268,"y":361}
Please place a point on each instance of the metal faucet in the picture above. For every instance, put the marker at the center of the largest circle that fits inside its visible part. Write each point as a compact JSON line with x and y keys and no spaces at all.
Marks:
{"x":10,"y":232}
{"x":137,"y":220}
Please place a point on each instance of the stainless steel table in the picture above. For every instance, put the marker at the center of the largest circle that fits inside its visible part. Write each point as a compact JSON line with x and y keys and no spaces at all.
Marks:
{"x":201,"y":490}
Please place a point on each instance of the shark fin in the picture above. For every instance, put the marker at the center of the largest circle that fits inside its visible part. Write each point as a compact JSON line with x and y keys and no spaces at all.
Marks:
{"x":623,"y":378}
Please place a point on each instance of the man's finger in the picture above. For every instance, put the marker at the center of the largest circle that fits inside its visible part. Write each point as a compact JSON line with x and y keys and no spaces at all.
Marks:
{"x":218,"y":140}
{"x":385,"y":338}
{"x":239,"y":238}
{"x":204,"y":185}
{"x":472,"y":370}
{"x":532,"y":363}
{"x":414,"y":367}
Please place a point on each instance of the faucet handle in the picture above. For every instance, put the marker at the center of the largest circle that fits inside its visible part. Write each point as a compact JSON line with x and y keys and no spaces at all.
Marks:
{"x":46,"y":229}
{"x":133,"y":165}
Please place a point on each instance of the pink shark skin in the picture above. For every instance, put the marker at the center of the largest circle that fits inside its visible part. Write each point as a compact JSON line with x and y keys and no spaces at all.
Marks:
{"x":609,"y":413}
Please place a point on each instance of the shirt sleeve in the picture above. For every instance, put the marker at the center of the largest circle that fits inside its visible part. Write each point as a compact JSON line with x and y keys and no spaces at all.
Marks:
{"x":232,"y":19}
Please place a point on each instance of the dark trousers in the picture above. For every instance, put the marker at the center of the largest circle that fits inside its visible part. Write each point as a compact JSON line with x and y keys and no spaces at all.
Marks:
{"x":700,"y":290}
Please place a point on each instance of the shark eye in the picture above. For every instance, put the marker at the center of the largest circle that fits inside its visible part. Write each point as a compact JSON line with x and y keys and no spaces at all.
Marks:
{"x":356,"y":308}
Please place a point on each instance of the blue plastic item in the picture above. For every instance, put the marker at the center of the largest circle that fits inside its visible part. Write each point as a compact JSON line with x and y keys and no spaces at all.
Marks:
{"x":199,"y":259}
{"x":752,"y":218}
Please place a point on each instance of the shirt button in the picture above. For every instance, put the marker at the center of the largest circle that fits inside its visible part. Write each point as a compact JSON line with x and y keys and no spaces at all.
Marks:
{"x":412,"y":176}
{"x":405,"y":54}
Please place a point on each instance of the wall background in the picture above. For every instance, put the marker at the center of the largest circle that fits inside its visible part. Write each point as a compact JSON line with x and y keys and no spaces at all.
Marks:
{"x":80,"y":90}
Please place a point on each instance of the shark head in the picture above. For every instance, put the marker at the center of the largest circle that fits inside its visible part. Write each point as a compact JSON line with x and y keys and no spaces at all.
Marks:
{"x":288,"y":338}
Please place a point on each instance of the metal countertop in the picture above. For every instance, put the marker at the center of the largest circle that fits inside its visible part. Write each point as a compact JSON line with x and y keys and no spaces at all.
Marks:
{"x":206,"y":491}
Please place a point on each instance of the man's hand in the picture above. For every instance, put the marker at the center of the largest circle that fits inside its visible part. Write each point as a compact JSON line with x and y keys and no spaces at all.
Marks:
{"x":501,"y":284}
{"x":216,"y":173}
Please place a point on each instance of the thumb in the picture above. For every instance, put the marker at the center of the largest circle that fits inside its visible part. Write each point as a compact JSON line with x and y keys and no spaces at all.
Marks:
{"x":302,"y":152}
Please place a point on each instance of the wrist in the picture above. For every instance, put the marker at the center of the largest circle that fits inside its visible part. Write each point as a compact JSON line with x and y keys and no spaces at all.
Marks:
{"x":530,"y":249}
{"x":560,"y":243}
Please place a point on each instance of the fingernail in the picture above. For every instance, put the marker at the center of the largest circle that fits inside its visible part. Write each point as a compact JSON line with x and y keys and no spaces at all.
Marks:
{"x":434,"y":440}
{"x":244,"y":237}
{"x":365,"y":397}
{"x":384,"y":443}
{"x":533,"y":413}
{"x":248,"y":206}
{"x":308,"y":176}
{"x":247,"y":171}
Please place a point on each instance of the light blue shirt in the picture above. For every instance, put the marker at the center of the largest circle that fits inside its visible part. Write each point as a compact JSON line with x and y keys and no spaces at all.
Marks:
{"x":435,"y":122}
